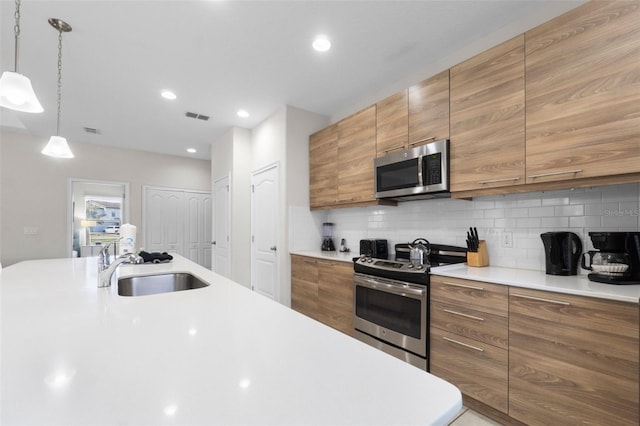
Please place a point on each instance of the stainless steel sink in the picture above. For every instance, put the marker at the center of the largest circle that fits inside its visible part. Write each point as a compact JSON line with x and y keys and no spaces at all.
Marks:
{"x":154,"y":284}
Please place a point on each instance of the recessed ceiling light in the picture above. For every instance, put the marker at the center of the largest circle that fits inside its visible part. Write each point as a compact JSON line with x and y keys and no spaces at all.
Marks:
{"x":191,"y":150}
{"x":321,"y":43}
{"x":168,"y":94}
{"x":243,"y":113}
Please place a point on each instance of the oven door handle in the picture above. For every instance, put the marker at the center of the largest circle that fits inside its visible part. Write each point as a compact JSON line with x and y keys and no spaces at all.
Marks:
{"x":400,"y":290}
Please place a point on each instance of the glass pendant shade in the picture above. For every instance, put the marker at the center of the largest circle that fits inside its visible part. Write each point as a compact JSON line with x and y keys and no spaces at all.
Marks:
{"x":16,"y":93}
{"x":57,"y":147}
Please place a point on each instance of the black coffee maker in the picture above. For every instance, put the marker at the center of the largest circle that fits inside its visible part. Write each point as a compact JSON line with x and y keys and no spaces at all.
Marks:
{"x":562,"y":252}
{"x":616,"y":260}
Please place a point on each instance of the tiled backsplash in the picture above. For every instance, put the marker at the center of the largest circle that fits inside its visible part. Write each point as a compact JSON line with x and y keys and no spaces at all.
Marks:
{"x":523,"y":217}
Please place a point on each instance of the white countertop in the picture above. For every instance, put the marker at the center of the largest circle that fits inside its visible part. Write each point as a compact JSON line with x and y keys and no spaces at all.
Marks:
{"x":73,"y":353}
{"x":329,"y":255}
{"x":538,"y":280}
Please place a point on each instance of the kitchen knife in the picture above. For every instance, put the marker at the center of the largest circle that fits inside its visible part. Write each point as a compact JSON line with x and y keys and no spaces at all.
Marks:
{"x":477,"y":239}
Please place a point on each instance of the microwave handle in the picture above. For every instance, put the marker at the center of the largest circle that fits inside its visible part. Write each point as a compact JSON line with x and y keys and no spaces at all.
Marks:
{"x":420,"y":174}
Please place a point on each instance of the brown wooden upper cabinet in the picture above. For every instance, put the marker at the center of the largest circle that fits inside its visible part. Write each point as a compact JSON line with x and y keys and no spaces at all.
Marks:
{"x":323,"y":167}
{"x":356,"y":151}
{"x":583,"y":93}
{"x":488,"y":119}
{"x":414,"y":116}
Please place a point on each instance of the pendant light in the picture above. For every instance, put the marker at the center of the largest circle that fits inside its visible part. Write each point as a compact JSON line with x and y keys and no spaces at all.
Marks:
{"x":57,"y":146}
{"x":16,"y":92}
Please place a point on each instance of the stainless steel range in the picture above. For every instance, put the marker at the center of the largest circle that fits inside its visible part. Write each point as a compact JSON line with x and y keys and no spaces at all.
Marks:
{"x":391,"y":303}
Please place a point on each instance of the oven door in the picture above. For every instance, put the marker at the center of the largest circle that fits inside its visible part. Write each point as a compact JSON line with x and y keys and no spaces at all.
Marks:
{"x":392,"y":311}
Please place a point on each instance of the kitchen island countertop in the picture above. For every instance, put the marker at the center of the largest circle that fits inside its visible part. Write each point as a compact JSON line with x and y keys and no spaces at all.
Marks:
{"x":73,"y":353}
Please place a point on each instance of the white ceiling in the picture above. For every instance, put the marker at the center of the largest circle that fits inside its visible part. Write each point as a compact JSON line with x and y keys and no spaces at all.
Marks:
{"x":220,"y":56}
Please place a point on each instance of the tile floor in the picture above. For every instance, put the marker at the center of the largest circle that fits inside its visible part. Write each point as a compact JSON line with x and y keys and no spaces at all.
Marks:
{"x":468,"y":417}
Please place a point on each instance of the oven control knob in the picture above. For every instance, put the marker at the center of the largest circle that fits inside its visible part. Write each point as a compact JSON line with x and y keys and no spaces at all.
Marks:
{"x":419,"y":267}
{"x":410,"y":266}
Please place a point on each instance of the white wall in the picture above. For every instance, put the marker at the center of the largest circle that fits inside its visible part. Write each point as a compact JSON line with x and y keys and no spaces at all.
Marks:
{"x":230,"y":156}
{"x":283,"y":138}
{"x":34,"y":188}
{"x":526,"y":216}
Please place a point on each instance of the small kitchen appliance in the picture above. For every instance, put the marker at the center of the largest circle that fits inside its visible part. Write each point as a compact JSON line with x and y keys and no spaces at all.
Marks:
{"x":374,"y":248}
{"x":418,"y":173}
{"x":616,"y":260}
{"x":562,"y":252}
{"x":327,"y":237}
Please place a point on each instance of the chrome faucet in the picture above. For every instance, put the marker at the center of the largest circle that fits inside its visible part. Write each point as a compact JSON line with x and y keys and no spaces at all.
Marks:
{"x":106,"y":268}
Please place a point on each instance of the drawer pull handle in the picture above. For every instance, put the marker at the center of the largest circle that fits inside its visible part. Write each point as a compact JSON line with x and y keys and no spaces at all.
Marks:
{"x":482,"y":182}
{"x":463,"y":285}
{"x":540,"y":299}
{"x":463,"y":315}
{"x":566,"y":172}
{"x":475,"y":348}
{"x":393,"y":148}
{"x":430,"y":138}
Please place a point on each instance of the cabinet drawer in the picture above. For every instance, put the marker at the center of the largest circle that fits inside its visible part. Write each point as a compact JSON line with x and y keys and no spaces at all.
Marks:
{"x":477,"y":295}
{"x":572,"y":359}
{"x":478,"y":369}
{"x":477,"y":325}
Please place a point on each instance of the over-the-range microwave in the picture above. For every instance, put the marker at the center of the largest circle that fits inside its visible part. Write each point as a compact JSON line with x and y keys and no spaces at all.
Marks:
{"x":417,"y":173}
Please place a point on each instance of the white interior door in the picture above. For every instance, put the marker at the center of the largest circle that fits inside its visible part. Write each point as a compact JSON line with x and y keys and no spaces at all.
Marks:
{"x":164,"y":220}
{"x":197,"y":236}
{"x":221,"y":233}
{"x":264,"y":229}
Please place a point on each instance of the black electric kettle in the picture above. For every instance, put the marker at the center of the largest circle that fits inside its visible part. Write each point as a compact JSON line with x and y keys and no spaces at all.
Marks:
{"x":562,"y":252}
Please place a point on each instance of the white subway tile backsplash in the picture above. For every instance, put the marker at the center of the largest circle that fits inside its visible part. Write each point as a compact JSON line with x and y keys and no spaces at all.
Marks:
{"x":446,"y":221}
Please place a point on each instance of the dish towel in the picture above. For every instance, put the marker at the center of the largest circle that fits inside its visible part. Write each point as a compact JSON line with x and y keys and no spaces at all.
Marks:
{"x":155,"y":257}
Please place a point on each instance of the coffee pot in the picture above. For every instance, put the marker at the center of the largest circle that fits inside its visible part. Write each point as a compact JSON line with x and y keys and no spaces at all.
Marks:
{"x":562,"y":252}
{"x":616,"y":259}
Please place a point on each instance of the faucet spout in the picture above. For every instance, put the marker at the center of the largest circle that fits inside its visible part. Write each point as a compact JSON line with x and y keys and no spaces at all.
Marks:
{"x":106,"y":268}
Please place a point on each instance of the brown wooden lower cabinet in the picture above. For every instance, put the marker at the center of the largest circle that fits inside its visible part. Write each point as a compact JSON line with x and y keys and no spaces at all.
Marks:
{"x":566,"y":359}
{"x":323,"y":290}
{"x":572,"y":359}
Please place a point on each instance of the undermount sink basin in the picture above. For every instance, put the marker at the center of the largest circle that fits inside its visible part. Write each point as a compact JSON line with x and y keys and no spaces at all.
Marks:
{"x":154,"y":284}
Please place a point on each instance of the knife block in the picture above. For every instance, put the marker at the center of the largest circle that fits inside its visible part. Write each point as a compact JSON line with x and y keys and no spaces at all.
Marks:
{"x":479,"y":258}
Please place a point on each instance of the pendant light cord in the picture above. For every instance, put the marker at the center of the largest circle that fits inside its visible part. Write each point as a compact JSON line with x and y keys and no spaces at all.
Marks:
{"x":59,"y":80}
{"x":16,"y":31}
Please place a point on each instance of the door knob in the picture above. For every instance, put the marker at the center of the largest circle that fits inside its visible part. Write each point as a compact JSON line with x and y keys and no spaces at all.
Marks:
{"x":213,"y":243}
{"x":272,"y":248}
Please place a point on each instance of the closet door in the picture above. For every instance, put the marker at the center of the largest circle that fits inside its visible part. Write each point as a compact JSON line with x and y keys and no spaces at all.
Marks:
{"x":164,"y":220}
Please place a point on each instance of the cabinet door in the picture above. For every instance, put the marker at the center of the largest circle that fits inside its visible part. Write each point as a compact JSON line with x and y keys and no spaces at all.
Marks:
{"x":487,"y":119}
{"x":304,"y":285}
{"x":583,"y":93}
{"x":323,"y":167}
{"x":335,"y":293}
{"x":356,"y":151}
{"x":429,"y":110}
{"x":392,"y":124}
{"x":572,"y":359}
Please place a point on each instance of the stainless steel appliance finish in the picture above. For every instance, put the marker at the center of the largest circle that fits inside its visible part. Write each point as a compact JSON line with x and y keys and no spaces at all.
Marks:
{"x":394,"y":313}
{"x":391,"y":302}
{"x":418,"y":173}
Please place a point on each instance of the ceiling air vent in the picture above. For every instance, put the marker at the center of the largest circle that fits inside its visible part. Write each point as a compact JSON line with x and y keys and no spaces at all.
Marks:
{"x":91,"y":130}
{"x":198,"y":116}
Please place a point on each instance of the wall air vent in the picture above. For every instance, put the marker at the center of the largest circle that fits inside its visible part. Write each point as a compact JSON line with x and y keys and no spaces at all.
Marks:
{"x":91,"y":130}
{"x":198,"y":116}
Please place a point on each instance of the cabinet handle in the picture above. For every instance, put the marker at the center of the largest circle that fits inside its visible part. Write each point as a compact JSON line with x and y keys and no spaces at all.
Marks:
{"x":463,"y":286}
{"x":393,"y":148}
{"x":482,"y":182}
{"x":430,"y":138}
{"x":463,"y":315}
{"x":554,"y":173}
{"x":540,"y":299}
{"x":475,"y":348}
